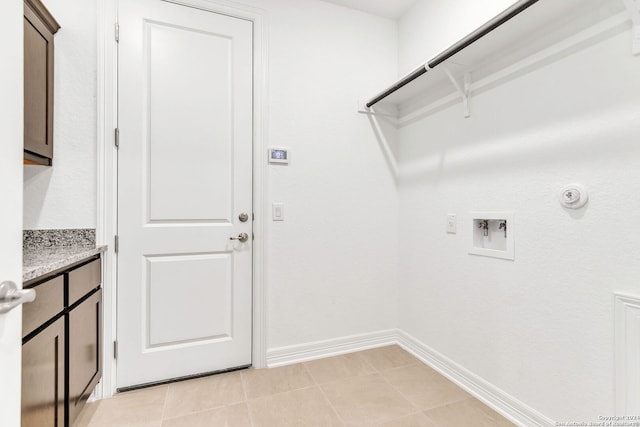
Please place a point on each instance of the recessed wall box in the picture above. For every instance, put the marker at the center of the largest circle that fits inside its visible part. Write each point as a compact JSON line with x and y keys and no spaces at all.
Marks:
{"x":492,"y":234}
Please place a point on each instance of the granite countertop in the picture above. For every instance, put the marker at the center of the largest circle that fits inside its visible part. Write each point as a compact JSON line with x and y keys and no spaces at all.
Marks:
{"x":36,"y":263}
{"x":45,"y":251}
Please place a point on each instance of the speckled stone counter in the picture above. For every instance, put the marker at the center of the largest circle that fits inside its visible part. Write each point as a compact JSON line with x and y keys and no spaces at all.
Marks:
{"x":47,"y":251}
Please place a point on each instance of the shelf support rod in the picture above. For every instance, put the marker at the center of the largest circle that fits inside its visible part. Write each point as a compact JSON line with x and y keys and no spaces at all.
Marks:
{"x":464,"y":90}
{"x":633,"y":6}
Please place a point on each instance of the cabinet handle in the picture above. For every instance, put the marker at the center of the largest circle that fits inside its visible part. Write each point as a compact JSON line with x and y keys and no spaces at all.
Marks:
{"x":11,"y":296}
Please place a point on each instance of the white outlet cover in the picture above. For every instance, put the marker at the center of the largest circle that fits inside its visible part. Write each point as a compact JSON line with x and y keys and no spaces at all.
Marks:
{"x":278,"y":212}
{"x":452,"y":224}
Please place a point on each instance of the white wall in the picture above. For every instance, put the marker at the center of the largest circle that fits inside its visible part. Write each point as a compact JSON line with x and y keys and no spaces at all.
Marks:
{"x":541,"y":327}
{"x":332,"y":262}
{"x":430,"y":27}
{"x":64,"y":195}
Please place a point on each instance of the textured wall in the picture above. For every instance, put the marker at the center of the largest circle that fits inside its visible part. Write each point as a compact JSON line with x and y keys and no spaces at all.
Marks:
{"x":332,"y":263}
{"x":64,"y":195}
{"x":540,"y":327}
{"x":430,"y":27}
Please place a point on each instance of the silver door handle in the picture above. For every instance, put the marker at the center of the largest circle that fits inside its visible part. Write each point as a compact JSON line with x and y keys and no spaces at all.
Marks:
{"x":243,"y":237}
{"x":11,"y":296}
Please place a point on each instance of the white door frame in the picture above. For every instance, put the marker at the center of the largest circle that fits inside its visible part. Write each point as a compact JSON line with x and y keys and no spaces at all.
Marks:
{"x":107,"y":171}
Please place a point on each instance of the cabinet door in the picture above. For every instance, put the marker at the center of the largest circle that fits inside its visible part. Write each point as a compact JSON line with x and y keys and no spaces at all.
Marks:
{"x":85,"y":364}
{"x":39,"y":27}
{"x":43,"y":378}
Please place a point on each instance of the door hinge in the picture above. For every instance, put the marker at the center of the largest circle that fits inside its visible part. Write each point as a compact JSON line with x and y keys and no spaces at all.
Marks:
{"x":117,"y":33}
{"x":116,"y":137}
{"x":115,"y":349}
{"x":116,"y":243}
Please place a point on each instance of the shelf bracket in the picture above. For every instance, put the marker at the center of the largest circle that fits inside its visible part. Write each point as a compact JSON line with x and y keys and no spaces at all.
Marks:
{"x":388,"y":112}
{"x":633,"y":6}
{"x":464,"y":90}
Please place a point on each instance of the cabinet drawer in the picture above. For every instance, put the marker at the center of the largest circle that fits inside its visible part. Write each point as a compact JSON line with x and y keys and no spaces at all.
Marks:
{"x":48,"y":303}
{"x":83,"y":280}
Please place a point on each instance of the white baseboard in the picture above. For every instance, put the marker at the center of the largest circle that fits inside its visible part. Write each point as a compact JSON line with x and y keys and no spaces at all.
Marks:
{"x":498,"y":400}
{"x":489,"y":394}
{"x":316,"y":350}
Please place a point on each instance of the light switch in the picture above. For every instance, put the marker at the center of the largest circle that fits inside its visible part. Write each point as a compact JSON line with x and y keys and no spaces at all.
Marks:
{"x":278,"y":211}
{"x":452,"y":223}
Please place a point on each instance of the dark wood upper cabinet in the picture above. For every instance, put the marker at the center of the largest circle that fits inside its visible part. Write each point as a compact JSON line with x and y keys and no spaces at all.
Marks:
{"x":39,"y":28}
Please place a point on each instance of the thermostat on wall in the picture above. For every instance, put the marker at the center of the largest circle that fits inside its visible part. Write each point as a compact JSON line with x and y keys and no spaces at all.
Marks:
{"x":279,"y":155}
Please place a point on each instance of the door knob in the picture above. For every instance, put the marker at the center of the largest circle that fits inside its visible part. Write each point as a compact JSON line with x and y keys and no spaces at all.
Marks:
{"x":243,"y":237}
{"x":11,"y":296}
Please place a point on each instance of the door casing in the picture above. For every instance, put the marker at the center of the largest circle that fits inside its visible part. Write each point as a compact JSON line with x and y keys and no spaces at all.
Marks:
{"x":107,"y":164}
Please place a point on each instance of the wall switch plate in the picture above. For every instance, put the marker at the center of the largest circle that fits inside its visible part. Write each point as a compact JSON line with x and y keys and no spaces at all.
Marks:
{"x":278,"y":212}
{"x":452,"y":223}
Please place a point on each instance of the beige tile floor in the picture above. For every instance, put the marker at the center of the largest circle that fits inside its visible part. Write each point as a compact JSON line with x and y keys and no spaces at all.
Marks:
{"x":384,"y":387}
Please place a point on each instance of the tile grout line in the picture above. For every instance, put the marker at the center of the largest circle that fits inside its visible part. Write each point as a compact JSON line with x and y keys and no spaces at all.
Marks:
{"x":365,"y":361}
{"x":427,"y":411}
{"x":202,"y":411}
{"x":418,"y":409}
{"x":253,"y":399}
{"x":208,"y":409}
{"x":404,"y":396}
{"x":305,"y":368}
{"x":213,"y":408}
{"x":249,"y":400}
{"x":326,"y":398}
{"x":430,"y":419}
{"x":382,"y":372}
{"x":375,"y":372}
{"x":246,"y":398}
{"x":164,"y":405}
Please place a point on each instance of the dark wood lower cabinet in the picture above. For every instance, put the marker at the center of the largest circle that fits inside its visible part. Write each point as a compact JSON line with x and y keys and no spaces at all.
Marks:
{"x":43,"y":375}
{"x":61,"y":346}
{"x":85,"y":348}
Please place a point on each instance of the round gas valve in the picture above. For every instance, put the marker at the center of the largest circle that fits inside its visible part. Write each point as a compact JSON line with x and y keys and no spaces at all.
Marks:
{"x":573,"y":196}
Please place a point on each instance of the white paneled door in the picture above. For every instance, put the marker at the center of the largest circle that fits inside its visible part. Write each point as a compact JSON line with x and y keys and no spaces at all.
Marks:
{"x":184,"y":191}
{"x":11,"y":121}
